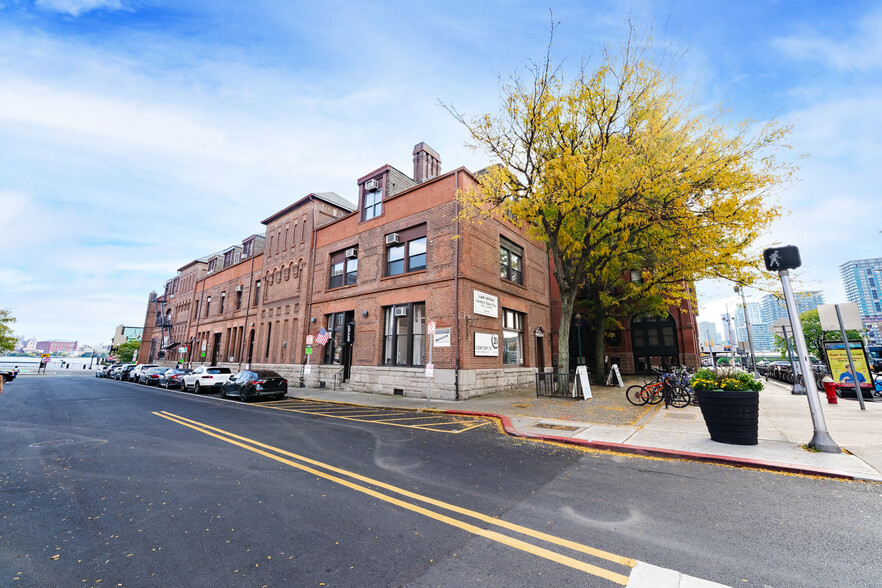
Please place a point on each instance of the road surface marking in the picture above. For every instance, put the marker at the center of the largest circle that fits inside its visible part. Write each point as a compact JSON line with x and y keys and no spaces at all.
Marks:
{"x":336,"y":411}
{"x":258,"y":447}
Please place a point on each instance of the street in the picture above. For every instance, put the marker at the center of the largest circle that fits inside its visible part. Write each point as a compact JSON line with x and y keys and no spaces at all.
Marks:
{"x":106,"y":483}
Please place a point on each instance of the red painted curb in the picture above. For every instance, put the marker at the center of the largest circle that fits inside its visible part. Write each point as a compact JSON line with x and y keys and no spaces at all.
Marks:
{"x":664,"y":453}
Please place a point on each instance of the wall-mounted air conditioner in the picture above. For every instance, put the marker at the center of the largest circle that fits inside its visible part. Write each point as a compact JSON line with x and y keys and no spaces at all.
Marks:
{"x":371,"y":186}
{"x":400,"y":311}
{"x":392,"y":239}
{"x":352,"y":252}
{"x":238,"y":288}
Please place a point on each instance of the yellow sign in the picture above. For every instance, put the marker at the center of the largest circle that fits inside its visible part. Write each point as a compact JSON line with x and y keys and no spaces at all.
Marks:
{"x":44,"y":355}
{"x":837,"y":359}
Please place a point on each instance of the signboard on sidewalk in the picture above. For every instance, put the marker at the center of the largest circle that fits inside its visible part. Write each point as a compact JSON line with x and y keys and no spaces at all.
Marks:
{"x":614,"y":371}
{"x":837,"y":361}
{"x":582,"y":382}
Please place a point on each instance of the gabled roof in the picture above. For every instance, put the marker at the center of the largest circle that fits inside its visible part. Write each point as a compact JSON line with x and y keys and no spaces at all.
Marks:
{"x":331,"y":198}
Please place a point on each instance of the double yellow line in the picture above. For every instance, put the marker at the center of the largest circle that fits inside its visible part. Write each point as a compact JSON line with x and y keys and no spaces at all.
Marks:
{"x":332,"y":473}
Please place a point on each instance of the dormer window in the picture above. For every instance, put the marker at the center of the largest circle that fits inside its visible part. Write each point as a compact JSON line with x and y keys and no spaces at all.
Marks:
{"x":372,"y":202}
{"x":246,"y":249}
{"x":212,"y":264}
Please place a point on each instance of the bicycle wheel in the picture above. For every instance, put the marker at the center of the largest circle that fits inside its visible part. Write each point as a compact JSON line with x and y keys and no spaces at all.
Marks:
{"x":635,"y":395}
{"x":679,"y":397}
{"x":654,"y":393}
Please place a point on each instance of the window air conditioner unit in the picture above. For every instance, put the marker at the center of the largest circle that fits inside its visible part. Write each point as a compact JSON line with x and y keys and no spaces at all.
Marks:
{"x":392,"y":239}
{"x":400,"y":311}
{"x":371,"y":186}
{"x":352,"y":253}
{"x":238,"y":288}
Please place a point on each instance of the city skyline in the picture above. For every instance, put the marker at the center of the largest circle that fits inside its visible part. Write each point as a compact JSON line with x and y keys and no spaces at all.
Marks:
{"x":138,"y":135}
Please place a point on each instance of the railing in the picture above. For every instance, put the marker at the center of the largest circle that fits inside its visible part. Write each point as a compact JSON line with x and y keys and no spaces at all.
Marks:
{"x":554,"y":384}
{"x":338,"y":374}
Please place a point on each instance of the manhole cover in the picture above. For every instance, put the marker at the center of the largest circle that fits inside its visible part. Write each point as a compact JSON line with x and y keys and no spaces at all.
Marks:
{"x":556,"y":427}
{"x":50,"y":443}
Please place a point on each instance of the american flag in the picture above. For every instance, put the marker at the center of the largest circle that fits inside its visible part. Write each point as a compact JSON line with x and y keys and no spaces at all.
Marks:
{"x":322,"y":337}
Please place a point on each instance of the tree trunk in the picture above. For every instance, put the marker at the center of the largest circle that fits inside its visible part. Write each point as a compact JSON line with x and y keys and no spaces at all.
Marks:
{"x":600,"y":348}
{"x":563,"y":336}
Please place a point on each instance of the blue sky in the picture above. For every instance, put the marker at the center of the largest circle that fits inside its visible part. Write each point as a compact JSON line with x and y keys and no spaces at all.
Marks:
{"x":138,"y":135}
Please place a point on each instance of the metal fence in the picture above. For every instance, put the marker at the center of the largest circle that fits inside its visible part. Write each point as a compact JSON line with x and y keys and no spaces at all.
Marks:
{"x":555,"y":384}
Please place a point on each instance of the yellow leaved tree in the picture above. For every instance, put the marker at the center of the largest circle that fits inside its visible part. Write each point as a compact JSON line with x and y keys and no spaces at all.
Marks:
{"x":634,"y":192}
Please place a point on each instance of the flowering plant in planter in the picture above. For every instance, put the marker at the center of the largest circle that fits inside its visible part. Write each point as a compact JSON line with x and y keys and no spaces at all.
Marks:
{"x":727,"y":378}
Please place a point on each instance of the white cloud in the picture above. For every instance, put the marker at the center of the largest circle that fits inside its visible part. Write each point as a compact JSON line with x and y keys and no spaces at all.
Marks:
{"x":861,"y":51}
{"x":78,"y":7}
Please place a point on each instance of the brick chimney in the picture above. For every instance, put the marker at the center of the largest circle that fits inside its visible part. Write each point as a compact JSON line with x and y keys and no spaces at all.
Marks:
{"x":426,"y":163}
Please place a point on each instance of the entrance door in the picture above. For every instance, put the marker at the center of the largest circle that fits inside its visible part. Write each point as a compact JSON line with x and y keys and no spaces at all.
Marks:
{"x":250,"y":347}
{"x":654,"y":342}
{"x":215,"y":348}
{"x":540,"y":354}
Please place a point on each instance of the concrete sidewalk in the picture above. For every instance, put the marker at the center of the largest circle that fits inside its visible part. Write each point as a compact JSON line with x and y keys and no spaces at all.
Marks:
{"x":608,"y":421}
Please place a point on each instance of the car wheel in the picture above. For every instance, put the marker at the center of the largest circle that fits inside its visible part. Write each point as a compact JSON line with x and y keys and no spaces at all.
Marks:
{"x":196,"y":387}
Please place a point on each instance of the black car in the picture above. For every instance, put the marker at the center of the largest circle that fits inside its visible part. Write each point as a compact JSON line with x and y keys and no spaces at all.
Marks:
{"x":123,"y":373}
{"x":172,"y":377}
{"x":150,"y":376}
{"x":250,"y":384}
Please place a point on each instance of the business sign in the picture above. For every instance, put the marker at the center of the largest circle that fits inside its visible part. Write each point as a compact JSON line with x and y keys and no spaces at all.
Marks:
{"x":441,"y":338}
{"x":837,"y":361}
{"x":486,"y":345}
{"x":486,"y":304}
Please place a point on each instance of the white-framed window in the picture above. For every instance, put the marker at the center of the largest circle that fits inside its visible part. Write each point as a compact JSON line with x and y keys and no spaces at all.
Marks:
{"x":409,"y":254}
{"x":512,"y":337}
{"x":404,"y":339}
{"x":511,"y":261}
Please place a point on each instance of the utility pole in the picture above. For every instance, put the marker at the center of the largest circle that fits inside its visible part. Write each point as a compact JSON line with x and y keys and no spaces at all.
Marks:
{"x":740,"y":289}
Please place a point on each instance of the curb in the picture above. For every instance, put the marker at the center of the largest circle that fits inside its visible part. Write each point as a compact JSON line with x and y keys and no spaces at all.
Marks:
{"x":671,"y":453}
{"x":635,"y":449}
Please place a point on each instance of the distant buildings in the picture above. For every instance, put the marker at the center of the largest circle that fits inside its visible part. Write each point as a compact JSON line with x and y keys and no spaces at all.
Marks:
{"x":708,"y":332}
{"x":862,"y":278}
{"x":762,"y":315}
{"x":56,"y":346}
{"x":124,"y":333}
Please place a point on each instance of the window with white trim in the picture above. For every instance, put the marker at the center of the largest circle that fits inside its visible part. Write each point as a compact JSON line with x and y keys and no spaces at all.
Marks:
{"x":512,"y":337}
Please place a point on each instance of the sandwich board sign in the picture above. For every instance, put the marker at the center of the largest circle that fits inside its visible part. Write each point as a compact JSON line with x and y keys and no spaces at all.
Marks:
{"x":582,"y":383}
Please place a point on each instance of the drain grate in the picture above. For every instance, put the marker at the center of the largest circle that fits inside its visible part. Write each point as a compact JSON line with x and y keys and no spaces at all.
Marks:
{"x":556,"y":427}
{"x":50,"y":443}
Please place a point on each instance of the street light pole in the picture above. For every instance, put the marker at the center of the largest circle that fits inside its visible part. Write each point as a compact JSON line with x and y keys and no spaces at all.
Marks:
{"x":740,"y":289}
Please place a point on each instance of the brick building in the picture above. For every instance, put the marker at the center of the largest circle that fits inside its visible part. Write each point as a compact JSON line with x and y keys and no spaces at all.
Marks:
{"x":374,"y":276}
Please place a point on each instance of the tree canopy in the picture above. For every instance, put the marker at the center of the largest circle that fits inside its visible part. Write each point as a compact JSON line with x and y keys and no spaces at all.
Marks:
{"x":620,"y":175}
{"x":127,"y":350}
{"x":7,"y":338}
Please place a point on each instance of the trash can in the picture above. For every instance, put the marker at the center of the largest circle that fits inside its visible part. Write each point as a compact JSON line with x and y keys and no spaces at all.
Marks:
{"x":830,"y":389}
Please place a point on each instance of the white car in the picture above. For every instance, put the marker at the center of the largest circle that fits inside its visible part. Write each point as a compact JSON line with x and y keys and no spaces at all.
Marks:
{"x":206,"y":377}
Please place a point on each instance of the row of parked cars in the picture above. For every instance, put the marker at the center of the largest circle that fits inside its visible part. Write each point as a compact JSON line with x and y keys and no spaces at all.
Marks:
{"x":246,"y":385}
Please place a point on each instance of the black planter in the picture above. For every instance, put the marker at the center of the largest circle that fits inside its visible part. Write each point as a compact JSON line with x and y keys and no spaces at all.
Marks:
{"x":731,"y":417}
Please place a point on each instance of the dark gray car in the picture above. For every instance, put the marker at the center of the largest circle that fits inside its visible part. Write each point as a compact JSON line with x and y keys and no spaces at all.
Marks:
{"x":248,"y":385}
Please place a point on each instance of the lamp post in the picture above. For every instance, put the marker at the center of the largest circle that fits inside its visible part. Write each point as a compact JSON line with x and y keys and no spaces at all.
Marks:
{"x":740,"y":290}
{"x":579,"y":335}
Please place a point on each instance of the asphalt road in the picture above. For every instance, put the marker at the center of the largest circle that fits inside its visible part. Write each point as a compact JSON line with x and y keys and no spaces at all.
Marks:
{"x":106,"y":483}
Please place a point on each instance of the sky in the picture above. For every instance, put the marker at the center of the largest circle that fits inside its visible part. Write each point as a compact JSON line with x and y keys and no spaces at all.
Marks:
{"x":138,"y":135}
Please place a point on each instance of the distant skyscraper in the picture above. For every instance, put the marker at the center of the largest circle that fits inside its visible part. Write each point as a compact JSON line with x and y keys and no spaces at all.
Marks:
{"x":707,"y":331}
{"x":774,"y":308}
{"x":862,"y":278}
{"x":762,"y":339}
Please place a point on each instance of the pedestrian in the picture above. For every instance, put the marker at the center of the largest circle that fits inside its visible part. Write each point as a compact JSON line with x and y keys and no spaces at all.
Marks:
{"x":14,"y":372}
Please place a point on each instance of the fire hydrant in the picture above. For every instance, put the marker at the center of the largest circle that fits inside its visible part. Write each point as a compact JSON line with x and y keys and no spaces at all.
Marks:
{"x":830,"y":389}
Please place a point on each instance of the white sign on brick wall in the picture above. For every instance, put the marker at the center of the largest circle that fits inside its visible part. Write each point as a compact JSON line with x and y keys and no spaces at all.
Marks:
{"x":486,"y":345}
{"x":486,"y":304}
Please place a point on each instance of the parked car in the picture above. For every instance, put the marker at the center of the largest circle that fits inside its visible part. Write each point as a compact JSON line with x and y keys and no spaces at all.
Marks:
{"x":123,"y":373}
{"x":150,"y":376}
{"x":171,"y":378}
{"x":250,"y":384}
{"x":206,"y":376}
{"x":105,"y":370}
{"x":135,"y":374}
{"x":7,"y":376}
